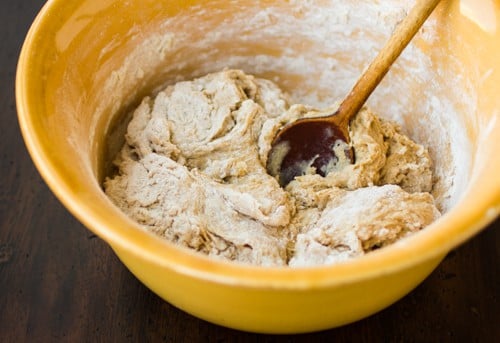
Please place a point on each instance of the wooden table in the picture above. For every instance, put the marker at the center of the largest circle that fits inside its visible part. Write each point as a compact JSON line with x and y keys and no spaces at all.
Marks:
{"x":58,"y":282}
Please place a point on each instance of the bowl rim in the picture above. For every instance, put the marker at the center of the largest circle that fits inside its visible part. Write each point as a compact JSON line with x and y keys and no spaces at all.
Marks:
{"x":123,"y":234}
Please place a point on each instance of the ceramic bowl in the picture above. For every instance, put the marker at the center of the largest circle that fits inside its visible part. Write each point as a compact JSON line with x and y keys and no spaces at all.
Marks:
{"x":86,"y":63}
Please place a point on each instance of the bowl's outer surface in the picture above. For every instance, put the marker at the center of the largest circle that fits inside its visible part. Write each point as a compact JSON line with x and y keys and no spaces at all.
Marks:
{"x":277,"y":310}
{"x":64,"y":62}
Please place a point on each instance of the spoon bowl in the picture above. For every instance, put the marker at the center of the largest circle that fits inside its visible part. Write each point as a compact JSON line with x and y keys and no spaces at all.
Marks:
{"x":318,"y":145}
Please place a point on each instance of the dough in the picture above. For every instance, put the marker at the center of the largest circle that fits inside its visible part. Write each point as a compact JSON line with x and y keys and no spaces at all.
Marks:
{"x":192,"y":170}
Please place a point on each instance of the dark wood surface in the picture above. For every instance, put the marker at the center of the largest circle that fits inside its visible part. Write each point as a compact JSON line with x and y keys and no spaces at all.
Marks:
{"x":58,"y":282}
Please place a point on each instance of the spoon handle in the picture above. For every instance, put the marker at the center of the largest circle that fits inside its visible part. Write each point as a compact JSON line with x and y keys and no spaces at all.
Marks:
{"x":376,"y":71}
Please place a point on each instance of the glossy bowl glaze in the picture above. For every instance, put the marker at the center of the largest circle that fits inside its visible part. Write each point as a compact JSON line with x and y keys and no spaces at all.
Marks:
{"x":87,"y":62}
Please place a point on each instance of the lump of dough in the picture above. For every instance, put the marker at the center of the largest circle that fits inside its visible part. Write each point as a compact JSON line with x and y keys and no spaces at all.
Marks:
{"x":356,"y":222}
{"x":192,"y":211}
{"x":192,"y":170}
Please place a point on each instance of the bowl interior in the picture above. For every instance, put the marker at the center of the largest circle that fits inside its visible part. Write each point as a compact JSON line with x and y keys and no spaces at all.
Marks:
{"x":80,"y":75}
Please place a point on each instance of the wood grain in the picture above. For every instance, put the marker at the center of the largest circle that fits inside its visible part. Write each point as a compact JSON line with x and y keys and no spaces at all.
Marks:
{"x":58,"y":282}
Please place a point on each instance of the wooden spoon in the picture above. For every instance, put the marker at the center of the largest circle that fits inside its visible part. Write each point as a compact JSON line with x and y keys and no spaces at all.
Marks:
{"x":323,"y":142}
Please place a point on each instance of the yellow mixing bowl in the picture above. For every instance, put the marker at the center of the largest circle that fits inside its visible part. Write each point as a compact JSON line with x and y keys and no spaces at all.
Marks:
{"x":86,"y":62}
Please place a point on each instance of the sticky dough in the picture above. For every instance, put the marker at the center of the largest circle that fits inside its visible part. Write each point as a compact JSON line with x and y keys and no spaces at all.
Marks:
{"x":192,"y":170}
